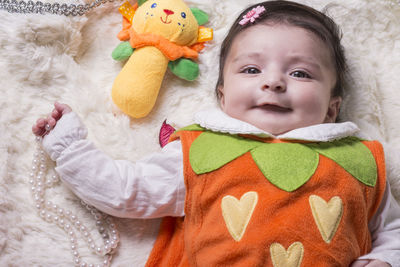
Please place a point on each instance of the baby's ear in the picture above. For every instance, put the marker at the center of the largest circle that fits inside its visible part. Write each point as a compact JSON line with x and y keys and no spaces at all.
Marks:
{"x":333,"y":109}
{"x":221,"y":95}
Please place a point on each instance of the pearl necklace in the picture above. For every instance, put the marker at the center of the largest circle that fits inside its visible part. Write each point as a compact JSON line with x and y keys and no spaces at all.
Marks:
{"x":65,"y":219}
{"x":55,"y":8}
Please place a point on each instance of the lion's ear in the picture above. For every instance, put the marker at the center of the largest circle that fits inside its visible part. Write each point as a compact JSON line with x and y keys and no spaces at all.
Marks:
{"x":141,"y":2}
{"x":200,"y":15}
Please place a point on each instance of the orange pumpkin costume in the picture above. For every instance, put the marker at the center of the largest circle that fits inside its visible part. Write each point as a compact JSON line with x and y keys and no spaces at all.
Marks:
{"x":237,"y":217}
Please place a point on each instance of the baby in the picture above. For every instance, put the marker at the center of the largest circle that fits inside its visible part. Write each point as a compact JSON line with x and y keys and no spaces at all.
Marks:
{"x":271,"y":180}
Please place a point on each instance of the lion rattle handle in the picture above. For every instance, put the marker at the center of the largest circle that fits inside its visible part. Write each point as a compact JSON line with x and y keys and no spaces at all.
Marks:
{"x":138,"y":83}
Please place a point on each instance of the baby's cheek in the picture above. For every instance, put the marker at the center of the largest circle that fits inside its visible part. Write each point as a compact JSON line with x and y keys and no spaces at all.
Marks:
{"x":313,"y":105}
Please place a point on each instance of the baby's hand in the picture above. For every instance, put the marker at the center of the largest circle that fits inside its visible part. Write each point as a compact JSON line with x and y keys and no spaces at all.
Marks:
{"x":43,"y":126}
{"x":369,"y":263}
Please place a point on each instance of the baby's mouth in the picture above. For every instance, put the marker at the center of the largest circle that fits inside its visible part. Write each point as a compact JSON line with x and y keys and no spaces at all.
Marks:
{"x":273,"y":108}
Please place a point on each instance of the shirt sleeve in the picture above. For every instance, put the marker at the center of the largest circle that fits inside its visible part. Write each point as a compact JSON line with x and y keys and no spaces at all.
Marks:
{"x":385,"y":231}
{"x":149,"y":188}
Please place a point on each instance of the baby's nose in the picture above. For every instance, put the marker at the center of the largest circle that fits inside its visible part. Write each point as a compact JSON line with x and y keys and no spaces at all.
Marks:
{"x":275,"y":87}
{"x":168,"y":12}
{"x":275,"y":83}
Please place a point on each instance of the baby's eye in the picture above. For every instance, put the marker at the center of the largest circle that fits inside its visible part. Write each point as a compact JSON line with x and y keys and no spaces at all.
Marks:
{"x":251,"y":70}
{"x":300,"y":74}
{"x":154,"y":5}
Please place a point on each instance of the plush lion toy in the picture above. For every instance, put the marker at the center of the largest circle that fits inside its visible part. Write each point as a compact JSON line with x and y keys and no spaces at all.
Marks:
{"x":156,"y":34}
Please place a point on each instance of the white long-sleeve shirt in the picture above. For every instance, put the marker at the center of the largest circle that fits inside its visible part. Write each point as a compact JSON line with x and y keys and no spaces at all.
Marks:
{"x":154,"y":186}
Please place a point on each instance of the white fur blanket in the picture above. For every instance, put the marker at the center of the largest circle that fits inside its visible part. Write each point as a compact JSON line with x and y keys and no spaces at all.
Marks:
{"x":44,"y":58}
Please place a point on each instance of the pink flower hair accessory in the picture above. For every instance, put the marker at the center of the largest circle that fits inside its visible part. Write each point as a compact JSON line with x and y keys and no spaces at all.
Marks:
{"x":252,"y":15}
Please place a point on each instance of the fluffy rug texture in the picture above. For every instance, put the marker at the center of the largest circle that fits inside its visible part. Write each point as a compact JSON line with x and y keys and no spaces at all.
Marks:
{"x":44,"y":58}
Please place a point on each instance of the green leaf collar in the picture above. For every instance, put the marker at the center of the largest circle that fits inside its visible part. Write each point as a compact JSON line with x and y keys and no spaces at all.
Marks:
{"x":286,"y":165}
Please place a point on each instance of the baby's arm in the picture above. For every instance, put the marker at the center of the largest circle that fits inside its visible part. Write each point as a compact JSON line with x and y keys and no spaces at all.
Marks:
{"x":152,"y":187}
{"x":385,"y":232}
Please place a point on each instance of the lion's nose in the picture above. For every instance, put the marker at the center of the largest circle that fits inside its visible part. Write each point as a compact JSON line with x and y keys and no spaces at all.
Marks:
{"x":168,"y":12}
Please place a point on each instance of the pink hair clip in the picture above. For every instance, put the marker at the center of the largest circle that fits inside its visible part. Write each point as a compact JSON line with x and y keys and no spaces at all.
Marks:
{"x":252,"y":15}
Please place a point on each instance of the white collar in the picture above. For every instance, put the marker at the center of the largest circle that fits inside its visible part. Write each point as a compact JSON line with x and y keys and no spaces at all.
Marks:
{"x":218,"y":121}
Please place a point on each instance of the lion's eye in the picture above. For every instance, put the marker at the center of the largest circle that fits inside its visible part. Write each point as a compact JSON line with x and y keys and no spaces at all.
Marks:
{"x":183,"y":14}
{"x":154,"y":5}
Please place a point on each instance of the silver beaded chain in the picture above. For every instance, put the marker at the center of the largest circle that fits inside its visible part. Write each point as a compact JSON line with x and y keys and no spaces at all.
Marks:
{"x":38,"y":7}
{"x":65,"y":219}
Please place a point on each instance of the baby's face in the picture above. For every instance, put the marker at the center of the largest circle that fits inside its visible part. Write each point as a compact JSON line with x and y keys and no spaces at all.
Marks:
{"x":279,"y":78}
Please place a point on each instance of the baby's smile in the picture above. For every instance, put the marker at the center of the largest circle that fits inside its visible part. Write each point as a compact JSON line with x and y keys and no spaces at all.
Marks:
{"x":270,"y":107}
{"x":273,"y":107}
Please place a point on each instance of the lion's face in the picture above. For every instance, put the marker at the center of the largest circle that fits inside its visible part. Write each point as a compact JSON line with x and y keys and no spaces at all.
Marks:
{"x":171,"y":19}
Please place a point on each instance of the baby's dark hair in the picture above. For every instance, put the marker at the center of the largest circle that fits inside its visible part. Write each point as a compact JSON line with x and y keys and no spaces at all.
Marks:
{"x":293,"y":14}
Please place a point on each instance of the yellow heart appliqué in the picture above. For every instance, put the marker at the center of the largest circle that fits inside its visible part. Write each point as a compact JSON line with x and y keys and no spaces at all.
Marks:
{"x":290,"y":258}
{"x":327,"y":216}
{"x":237,"y":213}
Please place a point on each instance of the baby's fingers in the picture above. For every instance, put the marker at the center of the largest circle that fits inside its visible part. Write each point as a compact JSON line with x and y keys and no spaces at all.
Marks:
{"x":51,"y":122}
{"x":36,"y":130}
{"x":39,"y":127}
{"x":62,"y":109}
{"x":41,"y":122}
{"x":43,"y":126}
{"x":377,"y":263}
{"x":359,"y":263}
{"x":56,"y":114}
